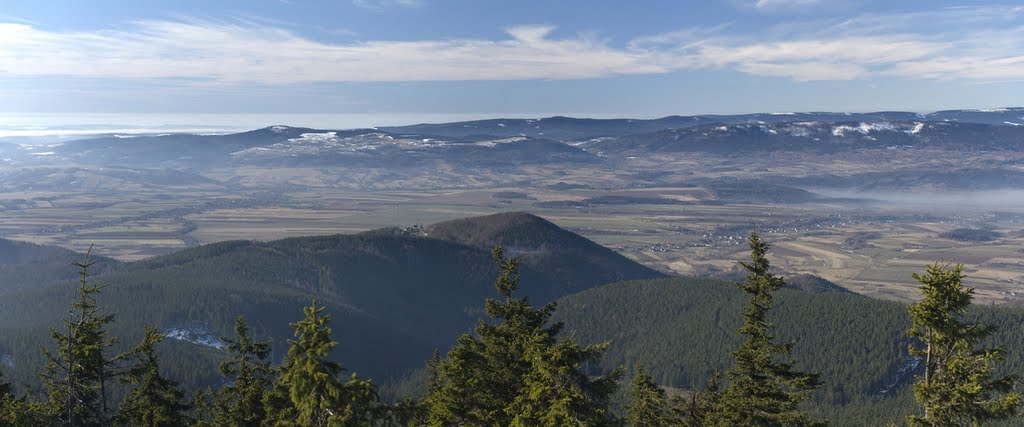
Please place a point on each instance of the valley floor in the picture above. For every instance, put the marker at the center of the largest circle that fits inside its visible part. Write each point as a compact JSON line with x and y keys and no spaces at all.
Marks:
{"x":870,"y":247}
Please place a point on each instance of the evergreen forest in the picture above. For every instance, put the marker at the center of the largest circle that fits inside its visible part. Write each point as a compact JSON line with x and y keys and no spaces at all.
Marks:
{"x":460,"y":325}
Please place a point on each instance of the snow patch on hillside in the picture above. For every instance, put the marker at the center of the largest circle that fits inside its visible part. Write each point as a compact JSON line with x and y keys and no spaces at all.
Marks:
{"x":865,"y":128}
{"x":325,"y":138}
{"x":318,"y":143}
{"x":800,"y":129}
{"x":494,"y":142}
{"x":197,"y":335}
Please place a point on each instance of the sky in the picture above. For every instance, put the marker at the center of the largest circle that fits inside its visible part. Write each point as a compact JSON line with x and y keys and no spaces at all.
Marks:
{"x":488,"y":58}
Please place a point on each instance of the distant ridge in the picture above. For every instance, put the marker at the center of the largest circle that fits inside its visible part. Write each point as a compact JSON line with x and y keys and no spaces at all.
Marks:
{"x":503,"y":143}
{"x":28,"y":265}
{"x":573,"y":128}
{"x":816,"y":136}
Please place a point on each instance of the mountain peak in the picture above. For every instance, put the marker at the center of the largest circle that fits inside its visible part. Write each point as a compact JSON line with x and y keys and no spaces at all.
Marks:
{"x":544,"y":245}
{"x":506,"y":228}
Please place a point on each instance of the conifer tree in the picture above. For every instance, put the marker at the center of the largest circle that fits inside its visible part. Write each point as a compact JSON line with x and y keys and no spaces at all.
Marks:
{"x":154,"y":400}
{"x":404,"y":413}
{"x":434,"y":372}
{"x":308,"y":390}
{"x":958,"y":386}
{"x":482,"y":374}
{"x":5,"y":388}
{"x":240,"y":401}
{"x":204,"y":411}
{"x":556,"y":392}
{"x":694,"y":410}
{"x":513,"y":369}
{"x":24,"y":412}
{"x":6,"y":399}
{"x":648,"y":405}
{"x":77,"y":375}
{"x":360,"y":405}
{"x":764,"y":389}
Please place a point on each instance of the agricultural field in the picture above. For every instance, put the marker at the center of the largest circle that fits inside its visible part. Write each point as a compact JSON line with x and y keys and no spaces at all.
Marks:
{"x":863,"y":209}
{"x":869,"y":248}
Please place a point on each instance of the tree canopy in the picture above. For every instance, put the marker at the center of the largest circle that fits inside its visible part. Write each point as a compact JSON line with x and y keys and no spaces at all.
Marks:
{"x":959,"y":385}
{"x":764,"y":388}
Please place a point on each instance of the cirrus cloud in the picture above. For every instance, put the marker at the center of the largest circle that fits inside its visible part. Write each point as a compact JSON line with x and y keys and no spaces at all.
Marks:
{"x":381,"y":4}
{"x":251,"y":52}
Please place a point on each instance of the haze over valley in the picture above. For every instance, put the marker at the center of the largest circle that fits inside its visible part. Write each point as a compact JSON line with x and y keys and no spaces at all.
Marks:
{"x":451,"y":213}
{"x":677,"y":194}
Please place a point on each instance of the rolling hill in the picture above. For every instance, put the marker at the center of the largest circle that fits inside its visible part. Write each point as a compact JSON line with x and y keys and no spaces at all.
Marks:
{"x":570,"y":128}
{"x":26,"y":265}
{"x":815,"y":137}
{"x":284,"y":145}
{"x":574,"y":262}
{"x":576,"y":151}
{"x":551,"y":140}
{"x":396,"y":294}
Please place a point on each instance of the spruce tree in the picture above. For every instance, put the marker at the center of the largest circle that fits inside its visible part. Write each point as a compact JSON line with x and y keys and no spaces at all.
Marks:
{"x":404,"y":413}
{"x":204,"y":411}
{"x":78,"y":373}
{"x":958,"y":386}
{"x":248,"y":375}
{"x":308,"y":390}
{"x":557,"y":392}
{"x":5,"y":389}
{"x":648,"y":405}
{"x":693,"y":411}
{"x":513,"y":369}
{"x":482,"y":374}
{"x":764,"y":389}
{"x":360,"y":404}
{"x":24,"y":412}
{"x":154,"y":400}
{"x":6,"y":399}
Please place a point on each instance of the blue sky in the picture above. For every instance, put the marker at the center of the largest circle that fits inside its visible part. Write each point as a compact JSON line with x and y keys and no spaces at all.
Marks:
{"x":524,"y":57}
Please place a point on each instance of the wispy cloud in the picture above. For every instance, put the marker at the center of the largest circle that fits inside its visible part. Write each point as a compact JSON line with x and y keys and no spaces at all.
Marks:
{"x":243,"y":52}
{"x":836,"y":58}
{"x":974,"y":44}
{"x":381,"y":4}
{"x":764,"y":4}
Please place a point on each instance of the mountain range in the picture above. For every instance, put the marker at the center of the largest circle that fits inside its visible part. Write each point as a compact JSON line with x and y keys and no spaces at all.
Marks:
{"x":553,"y":140}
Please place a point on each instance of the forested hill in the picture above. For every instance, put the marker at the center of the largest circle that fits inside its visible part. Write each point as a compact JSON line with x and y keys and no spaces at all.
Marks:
{"x":576,"y":263}
{"x":568,"y":128}
{"x":397,"y":294}
{"x":30,"y":265}
{"x":683,"y":330}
